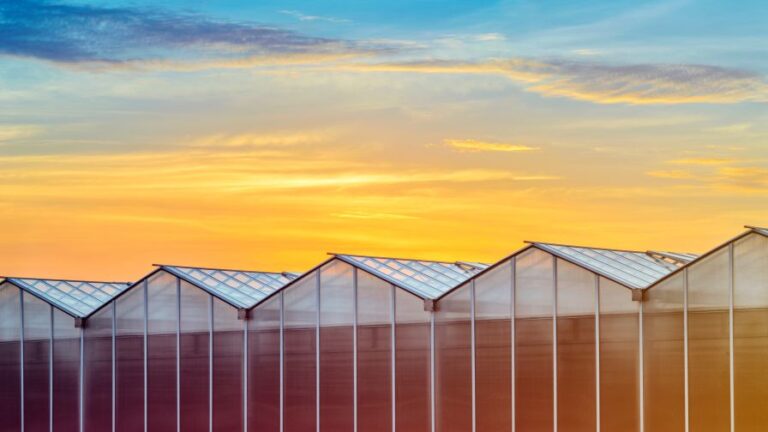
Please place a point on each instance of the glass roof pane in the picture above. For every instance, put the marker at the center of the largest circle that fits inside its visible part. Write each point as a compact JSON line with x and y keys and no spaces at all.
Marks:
{"x":77,"y":298}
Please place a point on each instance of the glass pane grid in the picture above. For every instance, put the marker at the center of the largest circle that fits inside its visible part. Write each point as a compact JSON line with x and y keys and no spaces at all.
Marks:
{"x":243,"y":289}
{"x":78,"y":298}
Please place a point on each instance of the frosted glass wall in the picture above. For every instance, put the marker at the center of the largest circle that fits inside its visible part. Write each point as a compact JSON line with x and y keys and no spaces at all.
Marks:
{"x":10,"y":358}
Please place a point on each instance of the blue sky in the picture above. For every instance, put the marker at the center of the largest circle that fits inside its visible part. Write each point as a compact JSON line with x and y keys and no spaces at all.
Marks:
{"x":220,"y":127}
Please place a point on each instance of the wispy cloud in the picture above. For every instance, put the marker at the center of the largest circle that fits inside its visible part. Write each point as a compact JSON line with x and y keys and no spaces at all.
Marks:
{"x":671,"y":174}
{"x":78,"y":34}
{"x":305,"y":17}
{"x":472,"y":145}
{"x":702,"y":161}
{"x":607,"y":83}
{"x":14,"y":132}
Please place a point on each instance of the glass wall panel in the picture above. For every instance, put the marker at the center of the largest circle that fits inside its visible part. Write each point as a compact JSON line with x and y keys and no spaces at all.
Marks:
{"x":66,"y":373}
{"x":299,"y":356}
{"x":412,"y":364}
{"x":194,"y":360}
{"x":493,"y":351}
{"x":619,"y":358}
{"x":337,"y":314}
{"x":750,"y":333}
{"x":10,"y":358}
{"x":708,"y":343}
{"x":37,"y":345}
{"x":453,"y":361}
{"x":576,"y":356}
{"x":98,"y":371}
{"x":374,"y":354}
{"x":664,"y":358}
{"x":162,"y":316}
{"x":534,"y":297}
{"x":129,"y":351}
{"x":264,"y":367}
{"x":228,"y":386}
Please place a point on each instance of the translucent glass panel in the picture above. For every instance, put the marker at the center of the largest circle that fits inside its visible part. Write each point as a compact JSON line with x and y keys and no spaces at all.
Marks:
{"x":10,"y":358}
{"x":98,"y":371}
{"x":228,"y":334}
{"x":194,"y":345}
{"x":337,"y":314}
{"x":664,"y":356}
{"x":619,"y":358}
{"x":750,"y":333}
{"x":453,"y":366}
{"x":37,"y":345}
{"x":300,"y":355}
{"x":412,"y":363}
{"x":534,"y":300}
{"x":264,"y":367}
{"x":162,"y":319}
{"x":66,"y":373}
{"x":374,"y":354}
{"x":129,"y":352}
{"x":708,"y":343}
{"x":493,"y":349}
{"x":576,"y":356}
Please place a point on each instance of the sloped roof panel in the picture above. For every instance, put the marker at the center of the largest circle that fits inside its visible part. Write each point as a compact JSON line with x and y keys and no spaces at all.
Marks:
{"x":77,"y":298}
{"x":426,"y":279}
{"x":242,"y":289}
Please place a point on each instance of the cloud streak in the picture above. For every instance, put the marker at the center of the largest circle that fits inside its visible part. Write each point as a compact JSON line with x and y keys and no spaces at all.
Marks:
{"x":607,"y":83}
{"x":79,"y":34}
{"x":471,"y":145}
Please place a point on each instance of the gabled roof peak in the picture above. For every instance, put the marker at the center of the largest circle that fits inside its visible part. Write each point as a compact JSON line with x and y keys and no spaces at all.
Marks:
{"x":75,"y":297}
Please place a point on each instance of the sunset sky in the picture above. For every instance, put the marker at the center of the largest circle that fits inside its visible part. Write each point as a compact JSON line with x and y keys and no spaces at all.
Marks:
{"x":263,"y":134}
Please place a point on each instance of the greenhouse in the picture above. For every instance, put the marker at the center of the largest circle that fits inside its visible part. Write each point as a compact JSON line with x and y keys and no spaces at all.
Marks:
{"x":552,"y":338}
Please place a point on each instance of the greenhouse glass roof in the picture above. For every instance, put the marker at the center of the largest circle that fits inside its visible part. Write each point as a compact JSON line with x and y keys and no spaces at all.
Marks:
{"x":242,"y":289}
{"x":77,"y":298}
{"x":634,"y":269}
{"x":427,"y":279}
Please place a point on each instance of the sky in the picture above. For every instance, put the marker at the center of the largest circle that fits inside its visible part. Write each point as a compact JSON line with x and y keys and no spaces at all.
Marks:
{"x":263,"y":135}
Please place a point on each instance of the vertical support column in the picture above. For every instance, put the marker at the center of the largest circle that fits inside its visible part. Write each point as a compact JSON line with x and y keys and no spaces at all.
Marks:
{"x":21,"y":355}
{"x":114,"y":366}
{"x":597,"y":353}
{"x":81,"y":381}
{"x":282,"y":360}
{"x":731,"y":280}
{"x":513,"y":384}
{"x":554,"y":343}
{"x":245,"y":372}
{"x":146,"y":352}
{"x":641,"y":384}
{"x":50,"y":370}
{"x":685,"y":347}
{"x":432,"y":384}
{"x":317,"y":353}
{"x":354,"y":350}
{"x":473,"y":352}
{"x":178,"y":355}
{"x":210,"y":363}
{"x":393,"y":336}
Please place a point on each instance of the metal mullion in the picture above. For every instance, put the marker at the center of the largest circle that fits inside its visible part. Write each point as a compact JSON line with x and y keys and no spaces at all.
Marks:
{"x":146,"y":353}
{"x":513,"y":372}
{"x":432,"y":383}
{"x":473,"y":351}
{"x":393,"y":358}
{"x":685,"y":350}
{"x":731,"y":287}
{"x":178,"y":355}
{"x":282,"y":360}
{"x":244,"y":385}
{"x":21,"y":355}
{"x":114,"y":366}
{"x":554,"y":343}
{"x":597,"y":353}
{"x":210,"y":363}
{"x":50,"y":371}
{"x":354,"y":348}
{"x":317,"y":351}
{"x":641,"y":365}
{"x":81,"y":381}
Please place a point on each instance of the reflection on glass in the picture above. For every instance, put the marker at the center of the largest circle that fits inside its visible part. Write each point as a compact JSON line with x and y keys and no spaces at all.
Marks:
{"x":534,"y":394}
{"x":161,"y":352}
{"x":227,"y":368}
{"x":337,"y":310}
{"x":493,"y":352}
{"x":374,"y":365}
{"x":412,"y":363}
{"x":10,"y":358}
{"x":750,"y":333}
{"x":98,"y":371}
{"x":194,"y":359}
{"x":66,"y":373}
{"x":664,"y":358}
{"x":453,"y":366}
{"x":37,"y":340}
{"x":264,"y":367}
{"x":576,"y":392}
{"x":130,"y":360}
{"x":299,"y":356}
{"x":619,"y":358}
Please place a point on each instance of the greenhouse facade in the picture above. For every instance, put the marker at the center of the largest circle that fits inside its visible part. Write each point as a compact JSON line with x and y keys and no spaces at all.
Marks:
{"x":552,"y":338}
